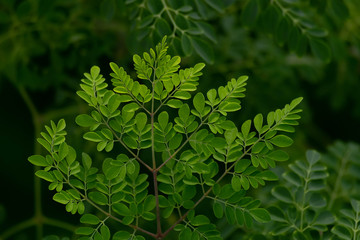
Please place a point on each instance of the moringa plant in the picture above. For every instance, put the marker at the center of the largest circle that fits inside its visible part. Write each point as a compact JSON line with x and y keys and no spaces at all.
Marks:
{"x":167,"y":162}
{"x":316,"y":198}
{"x":302,"y":213}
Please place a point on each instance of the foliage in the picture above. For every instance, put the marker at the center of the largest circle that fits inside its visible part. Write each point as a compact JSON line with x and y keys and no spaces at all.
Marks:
{"x":183,"y":21}
{"x":289,"y":22}
{"x":343,"y":161}
{"x":309,"y":204}
{"x":347,"y":226}
{"x":188,"y":152}
{"x":304,"y":212}
{"x":289,"y":48}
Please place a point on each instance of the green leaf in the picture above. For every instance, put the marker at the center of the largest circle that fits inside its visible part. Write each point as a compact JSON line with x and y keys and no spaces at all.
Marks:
{"x":355,"y":204}
{"x":342,"y":232}
{"x":267,"y":175}
{"x":70,"y":154}
{"x":98,"y":198}
{"x":242,"y":165}
{"x":184,"y":112}
{"x":199,"y":102}
{"x":130,"y":142}
{"x":182,"y":95}
{"x":260,"y":215}
{"x":277,"y":214}
{"x":203,"y":49}
{"x":174,"y":103}
{"x":320,"y":49}
{"x":292,"y":178}
{"x":325,"y":218}
{"x":93,"y":136}
{"x":60,"y":198}
{"x":121,"y":235}
{"x":63,"y":151}
{"x":258,"y":121}
{"x":130,"y":107}
{"x":45,"y":175}
{"x":245,"y":128}
{"x":185,"y":234}
{"x":149,"y":203}
{"x":281,"y":141}
{"x":295,"y":102}
{"x":278,"y":155}
{"x":163,"y":120}
{"x":200,"y":220}
{"x":61,"y":125}
{"x":282,"y":193}
{"x":312,"y":156}
{"x":85,"y":120}
{"x":186,"y":44}
{"x":105,"y":232}
{"x":198,"y":67}
{"x":162,"y":27}
{"x":245,"y":182}
{"x":38,"y":160}
{"x":141,"y":120}
{"x":230,"y":135}
{"x":94,"y":71}
{"x":112,"y":171}
{"x":121,"y":209}
{"x":236,"y":183}
{"x":114,"y":103}
{"x":90,"y":219}
{"x":86,"y":160}
{"x":84,"y":230}
{"x":215,"y":4}
{"x":317,"y":201}
{"x":218,"y":142}
{"x":44,"y":143}
{"x":299,"y":236}
{"x":154,"y":6}
{"x":218,"y":210}
{"x":175,"y":141}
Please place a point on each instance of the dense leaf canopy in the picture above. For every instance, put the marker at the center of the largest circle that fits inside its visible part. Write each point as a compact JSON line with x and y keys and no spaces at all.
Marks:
{"x":192,"y":120}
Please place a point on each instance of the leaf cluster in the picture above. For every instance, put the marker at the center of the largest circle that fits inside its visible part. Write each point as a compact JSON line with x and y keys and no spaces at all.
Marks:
{"x":292,"y":23}
{"x":304,"y":199}
{"x":347,"y":226}
{"x":342,"y":161}
{"x":192,"y":152}
{"x":312,"y":205}
{"x":185,"y":22}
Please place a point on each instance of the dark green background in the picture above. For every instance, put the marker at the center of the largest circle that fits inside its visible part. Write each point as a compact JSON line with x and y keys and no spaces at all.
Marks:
{"x":45,"y":46}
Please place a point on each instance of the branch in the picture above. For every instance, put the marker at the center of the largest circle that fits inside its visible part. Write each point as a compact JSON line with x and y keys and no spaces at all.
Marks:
{"x":108,"y":214}
{"x":126,"y":147}
{"x":219,"y":179}
{"x":196,"y":130}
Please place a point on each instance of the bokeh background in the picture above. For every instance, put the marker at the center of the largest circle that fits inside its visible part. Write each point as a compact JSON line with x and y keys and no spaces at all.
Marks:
{"x":289,"y":48}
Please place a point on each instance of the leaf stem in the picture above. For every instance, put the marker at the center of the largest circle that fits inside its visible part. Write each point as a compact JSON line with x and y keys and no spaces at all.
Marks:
{"x":218,"y":180}
{"x":302,"y":208}
{"x":200,"y":125}
{"x":126,"y":147}
{"x":156,"y":189}
{"x":166,"y":9}
{"x":108,"y":214}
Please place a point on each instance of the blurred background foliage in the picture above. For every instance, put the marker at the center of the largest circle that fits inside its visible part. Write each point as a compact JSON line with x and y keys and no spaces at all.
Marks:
{"x":289,"y":48}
